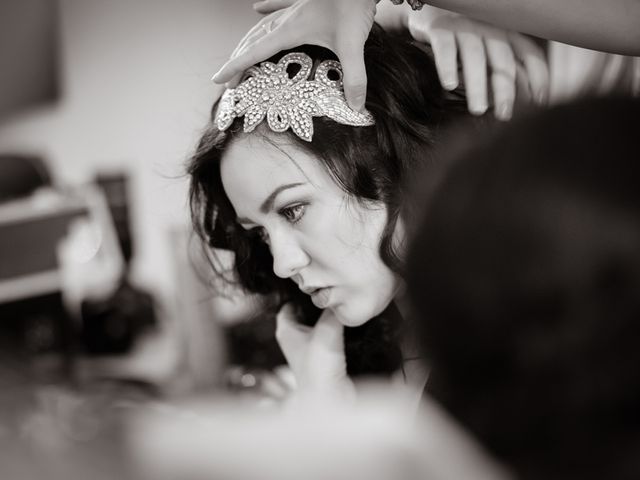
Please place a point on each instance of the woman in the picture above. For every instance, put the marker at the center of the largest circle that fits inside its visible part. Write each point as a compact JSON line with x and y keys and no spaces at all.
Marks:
{"x":316,"y":221}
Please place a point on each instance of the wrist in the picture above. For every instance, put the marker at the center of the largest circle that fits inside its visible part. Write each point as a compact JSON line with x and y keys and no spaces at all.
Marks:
{"x":406,"y":11}
{"x":415,"y":4}
{"x":391,"y":18}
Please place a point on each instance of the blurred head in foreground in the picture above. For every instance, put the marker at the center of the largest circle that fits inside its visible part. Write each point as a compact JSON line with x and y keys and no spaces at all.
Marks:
{"x":526,"y":277}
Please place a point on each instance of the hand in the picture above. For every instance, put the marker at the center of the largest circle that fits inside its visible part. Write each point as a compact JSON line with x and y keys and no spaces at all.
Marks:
{"x":315,"y":354}
{"x":339,"y":25}
{"x":480,"y":45}
{"x":277,"y":385}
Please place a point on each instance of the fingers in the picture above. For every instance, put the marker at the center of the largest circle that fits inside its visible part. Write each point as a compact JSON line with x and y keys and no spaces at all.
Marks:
{"x":230,"y":73}
{"x":272,"y":387}
{"x":354,"y":75}
{"x":257,"y":31}
{"x":445,"y":53}
{"x":278,"y":384}
{"x":265,"y":47}
{"x":535,"y":62}
{"x":522,"y":85}
{"x":316,"y":355}
{"x":325,"y":362}
{"x":440,"y":33}
{"x":254,"y":35}
{"x":343,"y":29}
{"x":503,"y":73}
{"x":286,"y":376}
{"x":329,"y":333}
{"x":474,"y":68}
{"x":477,"y":46}
{"x":292,"y":336}
{"x":248,"y":37}
{"x":288,"y":326}
{"x":269,"y":6}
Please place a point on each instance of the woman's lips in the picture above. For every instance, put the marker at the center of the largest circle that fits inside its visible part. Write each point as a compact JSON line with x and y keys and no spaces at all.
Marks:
{"x":321,"y":297}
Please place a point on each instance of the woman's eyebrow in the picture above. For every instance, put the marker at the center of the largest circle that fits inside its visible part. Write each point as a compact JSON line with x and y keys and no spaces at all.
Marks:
{"x":267,"y":205}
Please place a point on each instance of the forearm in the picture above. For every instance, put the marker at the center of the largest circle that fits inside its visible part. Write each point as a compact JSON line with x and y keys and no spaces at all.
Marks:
{"x":608,"y":25}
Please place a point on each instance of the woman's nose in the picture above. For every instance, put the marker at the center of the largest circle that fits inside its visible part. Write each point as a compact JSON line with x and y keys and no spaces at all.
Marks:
{"x":288,"y":255}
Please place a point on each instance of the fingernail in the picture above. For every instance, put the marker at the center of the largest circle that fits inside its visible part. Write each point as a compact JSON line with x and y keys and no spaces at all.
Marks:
{"x":478,"y":108}
{"x":358,"y":104}
{"x":257,"y":4}
{"x":449,"y":84}
{"x":217,"y":76}
{"x":503,"y":111}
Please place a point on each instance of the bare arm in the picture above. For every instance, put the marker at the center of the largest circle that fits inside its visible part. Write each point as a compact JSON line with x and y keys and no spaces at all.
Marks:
{"x":607,"y":25}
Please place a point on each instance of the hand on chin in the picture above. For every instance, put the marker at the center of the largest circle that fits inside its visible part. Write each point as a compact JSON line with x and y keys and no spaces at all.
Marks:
{"x":315,"y":354}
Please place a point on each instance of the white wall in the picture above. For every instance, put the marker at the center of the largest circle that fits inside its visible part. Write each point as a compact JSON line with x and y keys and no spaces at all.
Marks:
{"x":136,"y":93}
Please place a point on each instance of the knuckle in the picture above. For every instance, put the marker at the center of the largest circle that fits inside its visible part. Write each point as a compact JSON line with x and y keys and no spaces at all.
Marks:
{"x":504,"y":92}
{"x":283,"y":337}
{"x":471,"y":45}
{"x":442,"y":43}
{"x":505,"y":69}
{"x":464,"y":25}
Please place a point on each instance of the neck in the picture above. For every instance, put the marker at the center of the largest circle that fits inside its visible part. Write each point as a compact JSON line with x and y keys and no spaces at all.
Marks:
{"x":408,"y":342}
{"x":414,"y":369}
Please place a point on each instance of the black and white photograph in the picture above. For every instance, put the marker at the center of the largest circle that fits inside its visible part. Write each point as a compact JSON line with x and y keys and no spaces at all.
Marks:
{"x":319,"y":240}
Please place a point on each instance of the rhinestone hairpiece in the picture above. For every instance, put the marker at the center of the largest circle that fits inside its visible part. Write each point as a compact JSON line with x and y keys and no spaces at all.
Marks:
{"x":289,"y":102}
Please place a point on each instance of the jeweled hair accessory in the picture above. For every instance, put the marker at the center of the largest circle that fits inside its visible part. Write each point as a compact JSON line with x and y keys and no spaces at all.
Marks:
{"x":289,"y":102}
{"x":415,"y":4}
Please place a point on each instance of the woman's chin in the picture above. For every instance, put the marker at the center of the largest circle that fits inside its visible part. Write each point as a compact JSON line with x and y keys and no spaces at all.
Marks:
{"x":349,"y":316}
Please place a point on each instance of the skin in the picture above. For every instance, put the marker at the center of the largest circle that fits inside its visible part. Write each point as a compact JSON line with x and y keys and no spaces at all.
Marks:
{"x":319,"y":236}
{"x":495,"y":62}
{"x":610,"y":25}
{"x":342,"y":26}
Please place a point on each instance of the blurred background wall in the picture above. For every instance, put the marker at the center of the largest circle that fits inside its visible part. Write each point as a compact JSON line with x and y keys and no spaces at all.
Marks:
{"x":134,"y":93}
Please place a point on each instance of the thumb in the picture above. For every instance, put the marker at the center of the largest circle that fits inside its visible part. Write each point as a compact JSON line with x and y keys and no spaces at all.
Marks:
{"x":328,"y":333}
{"x":351,"y":57}
{"x":326,"y":360}
{"x":293,"y":337}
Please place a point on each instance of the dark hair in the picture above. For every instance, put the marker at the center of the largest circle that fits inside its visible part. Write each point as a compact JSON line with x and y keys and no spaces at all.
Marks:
{"x":525,"y":277}
{"x":369,"y":163}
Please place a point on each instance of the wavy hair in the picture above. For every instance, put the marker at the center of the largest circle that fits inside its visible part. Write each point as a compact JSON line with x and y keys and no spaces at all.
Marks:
{"x":369,"y":163}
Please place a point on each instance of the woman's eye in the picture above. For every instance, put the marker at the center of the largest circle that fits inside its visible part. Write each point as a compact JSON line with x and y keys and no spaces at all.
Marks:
{"x":293,"y":214}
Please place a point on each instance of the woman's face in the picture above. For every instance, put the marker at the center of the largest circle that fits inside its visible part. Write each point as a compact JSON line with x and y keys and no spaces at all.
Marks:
{"x":322,"y":238}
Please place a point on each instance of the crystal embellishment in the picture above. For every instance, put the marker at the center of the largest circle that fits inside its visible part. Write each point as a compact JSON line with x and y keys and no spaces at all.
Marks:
{"x":268,"y":91}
